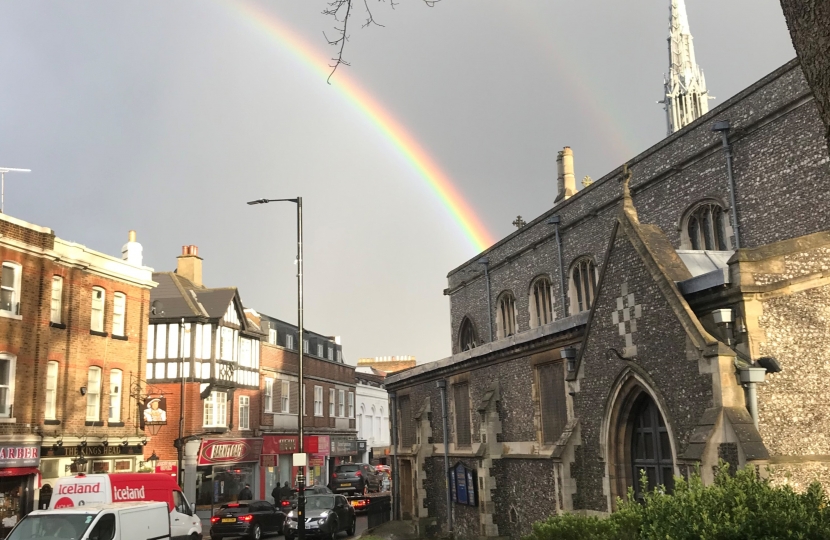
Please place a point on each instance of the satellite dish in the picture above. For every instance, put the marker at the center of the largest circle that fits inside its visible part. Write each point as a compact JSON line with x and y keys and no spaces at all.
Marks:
{"x":157,"y":308}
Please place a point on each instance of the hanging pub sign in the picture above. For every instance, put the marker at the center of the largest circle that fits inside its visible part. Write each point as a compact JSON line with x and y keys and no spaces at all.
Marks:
{"x":463,"y":483}
{"x":154,"y":412}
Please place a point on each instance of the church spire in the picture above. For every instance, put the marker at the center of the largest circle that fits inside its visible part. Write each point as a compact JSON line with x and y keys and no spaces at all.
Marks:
{"x":686,"y":97}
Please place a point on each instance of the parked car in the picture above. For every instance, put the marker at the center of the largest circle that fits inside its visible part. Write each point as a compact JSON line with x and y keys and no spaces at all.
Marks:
{"x":358,"y":478}
{"x":325,"y":517}
{"x":252,"y":519}
{"x":113,"y":521}
{"x":310,"y":490}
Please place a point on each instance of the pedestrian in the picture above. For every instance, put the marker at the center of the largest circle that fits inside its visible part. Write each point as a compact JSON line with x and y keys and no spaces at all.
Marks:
{"x":245,"y":494}
{"x":275,"y":494}
{"x":285,"y":492}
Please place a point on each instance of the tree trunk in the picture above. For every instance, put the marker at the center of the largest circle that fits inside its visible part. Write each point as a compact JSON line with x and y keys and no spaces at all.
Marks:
{"x":809,"y":24}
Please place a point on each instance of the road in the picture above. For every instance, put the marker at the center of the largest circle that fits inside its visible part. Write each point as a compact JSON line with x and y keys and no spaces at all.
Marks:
{"x":362,"y":525}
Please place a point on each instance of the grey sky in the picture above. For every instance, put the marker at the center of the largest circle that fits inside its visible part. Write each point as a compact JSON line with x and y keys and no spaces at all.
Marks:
{"x":165,"y":117}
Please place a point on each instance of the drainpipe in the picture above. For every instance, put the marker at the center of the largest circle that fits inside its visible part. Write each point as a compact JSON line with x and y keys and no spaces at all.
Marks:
{"x":486,"y":262}
{"x":555,"y":221}
{"x":442,"y":384}
{"x":750,"y":377}
{"x":723,"y":128}
{"x":396,"y":485}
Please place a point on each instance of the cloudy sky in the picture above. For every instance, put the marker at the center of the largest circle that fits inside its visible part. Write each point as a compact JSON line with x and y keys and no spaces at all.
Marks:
{"x":166,"y":116}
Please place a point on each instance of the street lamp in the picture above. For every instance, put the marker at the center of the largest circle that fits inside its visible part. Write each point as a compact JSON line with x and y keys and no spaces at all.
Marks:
{"x":301,"y":470}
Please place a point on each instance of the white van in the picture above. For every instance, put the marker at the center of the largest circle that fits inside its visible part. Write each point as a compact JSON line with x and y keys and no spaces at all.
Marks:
{"x":85,"y":489}
{"x":113,"y":521}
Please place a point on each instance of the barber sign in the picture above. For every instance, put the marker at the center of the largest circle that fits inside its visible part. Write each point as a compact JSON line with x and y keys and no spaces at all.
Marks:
{"x":218,"y":451}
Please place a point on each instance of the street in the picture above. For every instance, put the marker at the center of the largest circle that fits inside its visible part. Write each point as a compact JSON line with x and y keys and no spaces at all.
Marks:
{"x":362,"y":524}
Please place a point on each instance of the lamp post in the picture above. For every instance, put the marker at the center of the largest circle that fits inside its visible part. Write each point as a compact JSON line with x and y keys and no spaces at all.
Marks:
{"x":301,"y":470}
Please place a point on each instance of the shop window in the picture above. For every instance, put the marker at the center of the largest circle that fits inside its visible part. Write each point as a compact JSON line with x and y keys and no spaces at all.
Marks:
{"x":96,"y":323}
{"x":506,"y":315}
{"x":10,"y":288}
{"x":331,"y":402}
{"x":551,"y":380}
{"x":269,"y":395}
{"x":93,"y":394}
{"x":244,"y":412}
{"x":461,"y":399}
{"x":57,"y":297}
{"x":119,"y":312}
{"x":50,"y":410}
{"x":541,"y":306}
{"x":123,"y":465}
{"x":8,"y":364}
{"x":582,"y":285}
{"x":318,"y":401}
{"x":116,"y":379}
{"x":216,"y":410}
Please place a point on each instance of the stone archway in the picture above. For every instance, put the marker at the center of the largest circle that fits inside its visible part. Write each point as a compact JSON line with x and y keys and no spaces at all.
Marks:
{"x":638,"y":439}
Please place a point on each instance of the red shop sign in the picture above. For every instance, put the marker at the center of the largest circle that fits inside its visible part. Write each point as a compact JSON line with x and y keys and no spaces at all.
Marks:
{"x":287,"y":444}
{"x":219,"y":451}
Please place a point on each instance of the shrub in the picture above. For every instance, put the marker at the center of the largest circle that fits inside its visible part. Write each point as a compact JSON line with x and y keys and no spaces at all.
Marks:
{"x":739,"y":507}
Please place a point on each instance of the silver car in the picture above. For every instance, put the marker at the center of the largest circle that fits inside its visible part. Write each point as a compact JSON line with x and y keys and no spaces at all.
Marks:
{"x":325,"y":517}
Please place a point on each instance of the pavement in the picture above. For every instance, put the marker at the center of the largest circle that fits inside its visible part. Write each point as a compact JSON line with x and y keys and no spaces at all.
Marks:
{"x":392,"y":530}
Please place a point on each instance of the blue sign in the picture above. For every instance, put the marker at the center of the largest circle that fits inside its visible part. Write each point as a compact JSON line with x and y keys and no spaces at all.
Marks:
{"x":461,"y":484}
{"x":471,"y":487}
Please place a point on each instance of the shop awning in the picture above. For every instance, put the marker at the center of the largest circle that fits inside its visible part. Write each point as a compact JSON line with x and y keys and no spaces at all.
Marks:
{"x":19,"y":471}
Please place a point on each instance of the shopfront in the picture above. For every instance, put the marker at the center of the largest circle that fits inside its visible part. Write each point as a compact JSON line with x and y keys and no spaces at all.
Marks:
{"x":19,"y":478}
{"x":277,"y":466}
{"x":224,"y":467}
{"x":342,"y":450}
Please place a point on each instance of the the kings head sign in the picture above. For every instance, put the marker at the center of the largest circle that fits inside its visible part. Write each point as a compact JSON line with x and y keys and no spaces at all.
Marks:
{"x":219,"y":451}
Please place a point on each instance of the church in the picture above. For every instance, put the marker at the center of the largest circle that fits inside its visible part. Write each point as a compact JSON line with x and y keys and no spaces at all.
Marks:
{"x":670,"y":315}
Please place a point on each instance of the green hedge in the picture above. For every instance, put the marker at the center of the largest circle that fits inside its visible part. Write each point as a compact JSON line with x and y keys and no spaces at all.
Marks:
{"x":735,"y":507}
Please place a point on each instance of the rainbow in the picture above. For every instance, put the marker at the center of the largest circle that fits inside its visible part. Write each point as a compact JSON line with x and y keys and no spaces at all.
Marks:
{"x":408,"y":148}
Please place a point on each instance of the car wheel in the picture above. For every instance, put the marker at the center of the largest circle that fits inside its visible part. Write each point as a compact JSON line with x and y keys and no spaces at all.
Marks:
{"x":256,"y":534}
{"x":196,"y":536}
{"x":335,"y":528}
{"x":351,"y":530}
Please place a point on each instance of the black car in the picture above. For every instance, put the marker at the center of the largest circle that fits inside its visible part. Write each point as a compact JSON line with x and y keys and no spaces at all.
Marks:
{"x":310,"y":490}
{"x":358,"y":478}
{"x":252,"y":519}
{"x":325,"y":517}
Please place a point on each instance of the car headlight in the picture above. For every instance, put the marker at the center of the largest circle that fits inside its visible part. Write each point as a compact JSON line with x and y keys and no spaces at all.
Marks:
{"x":291,"y":514}
{"x":321,"y":521}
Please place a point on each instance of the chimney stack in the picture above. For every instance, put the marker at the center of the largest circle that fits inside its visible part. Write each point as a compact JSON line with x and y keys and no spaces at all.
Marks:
{"x":565,"y":181}
{"x":190,"y":264}
{"x":132,"y":251}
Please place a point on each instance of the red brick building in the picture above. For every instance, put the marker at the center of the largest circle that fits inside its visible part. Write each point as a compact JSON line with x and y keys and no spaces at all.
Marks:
{"x":329,"y":395}
{"x":72,"y":332}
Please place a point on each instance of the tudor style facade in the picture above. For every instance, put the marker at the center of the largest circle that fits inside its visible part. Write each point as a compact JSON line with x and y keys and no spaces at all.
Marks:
{"x":203,"y":351}
{"x":629,"y":332}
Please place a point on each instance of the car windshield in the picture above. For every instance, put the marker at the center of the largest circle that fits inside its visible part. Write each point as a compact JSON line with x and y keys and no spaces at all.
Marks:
{"x":347,"y":468}
{"x":319,"y":502}
{"x":52,"y":526}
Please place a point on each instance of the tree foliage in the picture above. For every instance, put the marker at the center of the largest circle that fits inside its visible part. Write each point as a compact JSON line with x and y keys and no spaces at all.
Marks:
{"x":739,"y":507}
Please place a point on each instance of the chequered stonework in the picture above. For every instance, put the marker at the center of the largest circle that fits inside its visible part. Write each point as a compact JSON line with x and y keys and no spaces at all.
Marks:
{"x":625,"y":317}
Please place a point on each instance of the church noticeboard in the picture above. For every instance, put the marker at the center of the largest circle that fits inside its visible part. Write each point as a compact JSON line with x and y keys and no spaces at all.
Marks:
{"x":463,"y":482}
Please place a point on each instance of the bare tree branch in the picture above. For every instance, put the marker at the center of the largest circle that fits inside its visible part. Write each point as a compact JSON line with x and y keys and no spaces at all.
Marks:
{"x":334,"y":9}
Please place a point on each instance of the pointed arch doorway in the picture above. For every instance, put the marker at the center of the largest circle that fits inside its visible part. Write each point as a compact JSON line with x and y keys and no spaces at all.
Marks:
{"x":639,"y":441}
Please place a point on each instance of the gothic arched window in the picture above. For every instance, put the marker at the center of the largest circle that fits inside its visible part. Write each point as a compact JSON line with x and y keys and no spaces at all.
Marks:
{"x":706,"y":228}
{"x":541,"y":307}
{"x":582,"y":286}
{"x":506,"y":315}
{"x":467,"y":336}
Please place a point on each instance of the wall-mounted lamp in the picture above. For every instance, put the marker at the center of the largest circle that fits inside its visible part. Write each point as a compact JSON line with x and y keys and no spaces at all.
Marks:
{"x":105,"y":442}
{"x":125,"y":442}
{"x":724,"y":319}
{"x":81,"y":464}
{"x":569,"y":356}
{"x":58,"y":443}
{"x":144,"y":442}
{"x":83,"y":390}
{"x":83,"y":443}
{"x":153,"y":460}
